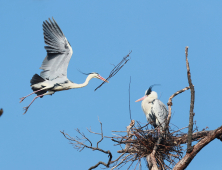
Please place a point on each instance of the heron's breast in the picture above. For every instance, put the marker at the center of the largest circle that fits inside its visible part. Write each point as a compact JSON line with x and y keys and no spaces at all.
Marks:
{"x":146,"y":107}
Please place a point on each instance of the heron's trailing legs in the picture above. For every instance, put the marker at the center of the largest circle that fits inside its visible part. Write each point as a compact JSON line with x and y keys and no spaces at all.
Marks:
{"x":45,"y":88}
{"x":26,"y":108}
{"x":21,"y":99}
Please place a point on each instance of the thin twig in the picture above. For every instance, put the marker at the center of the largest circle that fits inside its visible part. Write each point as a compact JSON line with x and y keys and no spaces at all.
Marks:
{"x":121,"y":162}
{"x":119,"y":131}
{"x":116,"y":68}
{"x":90,"y":131}
{"x":129,"y":99}
{"x":79,"y":145}
{"x":179,"y":129}
{"x":101,"y":134}
{"x":84,"y":136}
{"x":118,"y":158}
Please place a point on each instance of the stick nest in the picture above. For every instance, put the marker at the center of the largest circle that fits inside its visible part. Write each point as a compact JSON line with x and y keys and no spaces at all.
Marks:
{"x":142,"y":141}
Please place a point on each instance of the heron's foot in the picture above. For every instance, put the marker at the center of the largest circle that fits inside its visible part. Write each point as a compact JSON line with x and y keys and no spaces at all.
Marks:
{"x":21,"y":99}
{"x":26,"y":109}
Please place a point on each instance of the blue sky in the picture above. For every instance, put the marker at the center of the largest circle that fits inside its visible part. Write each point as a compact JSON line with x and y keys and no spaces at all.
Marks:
{"x":101,"y":33}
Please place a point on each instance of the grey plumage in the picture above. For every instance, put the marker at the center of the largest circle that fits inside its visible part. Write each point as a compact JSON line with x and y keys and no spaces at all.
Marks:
{"x":157,"y":114}
{"x":155,"y":111}
{"x":59,"y":52}
{"x":53,"y":78}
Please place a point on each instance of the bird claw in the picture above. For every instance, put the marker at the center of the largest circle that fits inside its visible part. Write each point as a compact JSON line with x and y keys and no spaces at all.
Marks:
{"x":26,"y":109}
{"x":21,"y":99}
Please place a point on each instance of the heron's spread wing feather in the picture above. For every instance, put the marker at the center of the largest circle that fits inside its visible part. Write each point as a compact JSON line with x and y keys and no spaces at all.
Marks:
{"x":58,"y":50}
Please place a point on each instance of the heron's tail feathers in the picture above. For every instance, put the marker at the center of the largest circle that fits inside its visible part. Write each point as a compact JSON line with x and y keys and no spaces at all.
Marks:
{"x":36,"y":79}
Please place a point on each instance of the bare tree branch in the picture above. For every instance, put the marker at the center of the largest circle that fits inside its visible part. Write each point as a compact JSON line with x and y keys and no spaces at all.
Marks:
{"x":82,"y":134}
{"x":179,"y":129}
{"x":129,"y":133}
{"x":153,"y":162}
{"x":101,"y":134}
{"x":100,"y":162}
{"x":184,"y":162}
{"x":79,"y":144}
{"x":121,"y":162}
{"x":195,"y":137}
{"x":170,"y":104}
{"x":190,"y":131}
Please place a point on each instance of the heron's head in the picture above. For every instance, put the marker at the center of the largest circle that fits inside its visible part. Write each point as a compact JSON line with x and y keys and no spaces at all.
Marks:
{"x":96,"y":75}
{"x":149,"y":94}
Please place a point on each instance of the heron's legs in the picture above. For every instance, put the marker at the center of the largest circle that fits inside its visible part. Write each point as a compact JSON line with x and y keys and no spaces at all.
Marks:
{"x":48,"y":93}
{"x":21,"y":99}
{"x":26,"y":108}
{"x":45,"y":88}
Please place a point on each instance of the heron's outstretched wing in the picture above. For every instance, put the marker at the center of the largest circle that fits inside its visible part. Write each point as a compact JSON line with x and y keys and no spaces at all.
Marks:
{"x":160,"y":112}
{"x":58,"y":50}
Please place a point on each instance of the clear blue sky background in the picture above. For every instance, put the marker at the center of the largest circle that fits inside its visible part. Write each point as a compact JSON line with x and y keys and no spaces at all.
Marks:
{"x":101,"y":33}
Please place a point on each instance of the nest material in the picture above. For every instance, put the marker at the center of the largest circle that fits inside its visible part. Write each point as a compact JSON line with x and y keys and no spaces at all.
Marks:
{"x":117,"y":68}
{"x":142,"y":141}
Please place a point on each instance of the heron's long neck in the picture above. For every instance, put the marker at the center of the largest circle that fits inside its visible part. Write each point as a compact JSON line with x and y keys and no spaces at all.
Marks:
{"x":74,"y":85}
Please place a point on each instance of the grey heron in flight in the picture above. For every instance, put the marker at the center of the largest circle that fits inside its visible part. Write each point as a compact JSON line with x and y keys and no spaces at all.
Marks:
{"x":155,"y":111}
{"x":53,"y":78}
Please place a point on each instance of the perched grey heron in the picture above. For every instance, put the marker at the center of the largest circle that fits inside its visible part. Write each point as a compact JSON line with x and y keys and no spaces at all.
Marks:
{"x":53,"y":78}
{"x":155,"y":111}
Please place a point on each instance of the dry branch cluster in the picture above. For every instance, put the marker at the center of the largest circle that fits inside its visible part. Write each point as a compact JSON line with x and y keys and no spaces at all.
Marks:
{"x":141,"y":143}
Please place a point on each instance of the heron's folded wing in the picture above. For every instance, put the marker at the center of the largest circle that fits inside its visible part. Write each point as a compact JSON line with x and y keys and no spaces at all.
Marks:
{"x":58,"y":50}
{"x":161,"y":112}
